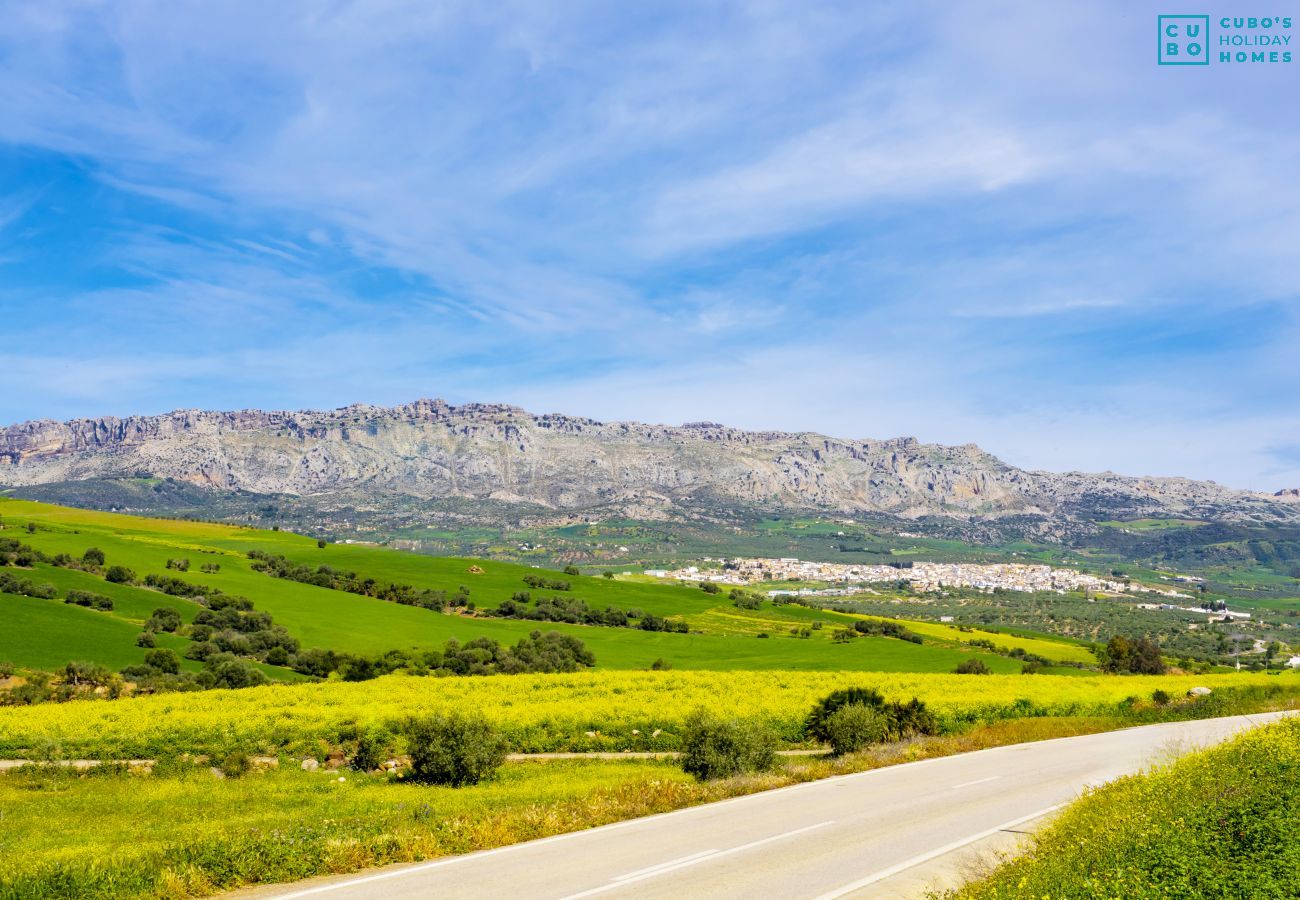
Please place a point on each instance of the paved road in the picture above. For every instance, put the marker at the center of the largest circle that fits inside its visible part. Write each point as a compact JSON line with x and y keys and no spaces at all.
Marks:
{"x":874,"y":834}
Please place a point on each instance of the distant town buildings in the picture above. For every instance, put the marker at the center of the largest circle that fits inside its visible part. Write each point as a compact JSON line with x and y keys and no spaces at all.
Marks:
{"x":924,"y":577}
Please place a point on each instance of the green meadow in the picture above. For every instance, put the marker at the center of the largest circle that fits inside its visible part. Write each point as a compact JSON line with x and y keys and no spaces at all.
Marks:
{"x":723,"y":637}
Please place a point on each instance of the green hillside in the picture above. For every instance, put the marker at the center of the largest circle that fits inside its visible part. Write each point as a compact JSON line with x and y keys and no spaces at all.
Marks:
{"x":723,"y":637}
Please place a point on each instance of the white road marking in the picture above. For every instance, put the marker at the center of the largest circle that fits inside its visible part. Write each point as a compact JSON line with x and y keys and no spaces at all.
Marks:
{"x":672,"y":863}
{"x":933,"y":854}
{"x":976,"y":781}
{"x":655,"y":871}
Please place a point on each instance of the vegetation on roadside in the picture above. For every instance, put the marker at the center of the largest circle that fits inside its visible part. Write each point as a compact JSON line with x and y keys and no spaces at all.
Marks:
{"x":714,"y":746}
{"x":1219,"y":823}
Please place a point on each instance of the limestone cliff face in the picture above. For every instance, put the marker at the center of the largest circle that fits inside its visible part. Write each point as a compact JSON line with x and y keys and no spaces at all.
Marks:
{"x":432,"y":450}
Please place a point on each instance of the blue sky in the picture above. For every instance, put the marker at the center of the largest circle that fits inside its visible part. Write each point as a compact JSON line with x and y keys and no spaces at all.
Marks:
{"x":998,"y":223}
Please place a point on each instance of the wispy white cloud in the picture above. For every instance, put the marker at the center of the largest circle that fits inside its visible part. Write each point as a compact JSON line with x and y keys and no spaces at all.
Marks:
{"x":913,"y":217}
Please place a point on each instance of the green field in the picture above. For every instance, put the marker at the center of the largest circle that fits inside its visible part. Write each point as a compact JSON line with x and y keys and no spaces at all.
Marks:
{"x":331,"y":619}
{"x":45,"y":634}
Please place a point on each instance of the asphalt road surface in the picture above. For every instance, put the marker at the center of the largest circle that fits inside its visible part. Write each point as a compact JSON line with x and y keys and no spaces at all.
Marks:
{"x":886,"y":833}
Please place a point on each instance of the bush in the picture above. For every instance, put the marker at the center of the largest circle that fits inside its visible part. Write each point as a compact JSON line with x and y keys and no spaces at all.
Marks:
{"x":163,"y":620}
{"x":119,"y":575}
{"x":221,"y":670}
{"x":815,"y":724}
{"x":93,"y":601}
{"x":163,"y":659}
{"x":145,"y":639}
{"x":572,"y":570}
{"x":93,"y":556}
{"x":372,"y":750}
{"x":902,"y":719}
{"x":78,"y":673}
{"x":852,"y":727}
{"x":973,"y":667}
{"x":713,"y":747}
{"x":236,"y":765}
{"x":453,"y":749}
{"x":660,"y":665}
{"x":1161,"y":698}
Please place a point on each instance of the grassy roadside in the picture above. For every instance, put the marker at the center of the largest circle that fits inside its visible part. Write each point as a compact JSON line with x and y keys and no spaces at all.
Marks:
{"x":1215,"y":824}
{"x":182,"y":833}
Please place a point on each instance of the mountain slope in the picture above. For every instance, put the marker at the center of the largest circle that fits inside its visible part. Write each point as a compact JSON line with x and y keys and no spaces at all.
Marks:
{"x":503,"y":455}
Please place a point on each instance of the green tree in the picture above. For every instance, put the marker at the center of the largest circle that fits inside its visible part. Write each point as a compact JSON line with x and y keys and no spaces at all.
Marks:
{"x":714,"y":747}
{"x":852,"y":727}
{"x":164,"y":659}
{"x":453,"y":749}
{"x":119,"y":575}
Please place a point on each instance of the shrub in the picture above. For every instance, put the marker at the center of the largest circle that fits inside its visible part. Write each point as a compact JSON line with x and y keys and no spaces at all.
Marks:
{"x":1161,"y":698}
{"x":660,"y":665}
{"x":224,"y":671}
{"x":163,"y":659}
{"x":93,"y":601}
{"x":119,"y":575}
{"x":453,"y":749}
{"x":6,"y":669}
{"x":852,"y":727}
{"x":372,"y":750}
{"x":236,"y":765}
{"x":714,"y":747}
{"x":572,"y":570}
{"x":77,"y":672}
{"x":93,"y":556}
{"x":163,"y":620}
{"x":815,"y":724}
{"x":145,"y":639}
{"x":902,"y":719}
{"x":972,"y":666}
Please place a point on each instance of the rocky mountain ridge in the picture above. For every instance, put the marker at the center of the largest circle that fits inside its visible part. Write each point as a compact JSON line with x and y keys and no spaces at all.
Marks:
{"x":498,"y":454}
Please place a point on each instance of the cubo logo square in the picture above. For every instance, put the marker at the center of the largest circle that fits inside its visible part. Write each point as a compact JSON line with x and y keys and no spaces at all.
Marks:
{"x":1184,"y":40}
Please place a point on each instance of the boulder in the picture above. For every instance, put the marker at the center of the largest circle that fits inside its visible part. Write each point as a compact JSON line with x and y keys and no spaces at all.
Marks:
{"x":310,"y":765}
{"x":1199,"y":692}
